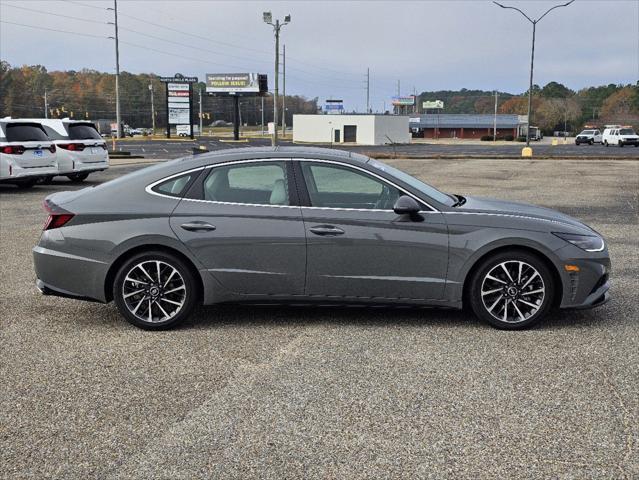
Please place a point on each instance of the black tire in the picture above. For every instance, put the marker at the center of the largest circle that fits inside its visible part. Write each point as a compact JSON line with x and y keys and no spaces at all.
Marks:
{"x":26,"y":185}
{"x":518,"y":308}
{"x":167,"y":262}
{"x":620,"y":144}
{"x":78,"y":177}
{"x":591,"y":142}
{"x":605,"y":143}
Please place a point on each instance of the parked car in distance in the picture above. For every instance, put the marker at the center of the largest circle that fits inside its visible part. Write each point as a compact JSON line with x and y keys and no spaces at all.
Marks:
{"x":588,"y":136}
{"x":26,"y":153}
{"x":309,"y":225}
{"x":620,"y":136}
{"x":81,"y":149}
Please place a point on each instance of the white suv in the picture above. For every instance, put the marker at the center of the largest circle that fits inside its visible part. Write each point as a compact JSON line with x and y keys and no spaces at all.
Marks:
{"x":81,"y":149}
{"x":26,"y":153}
{"x":620,"y":136}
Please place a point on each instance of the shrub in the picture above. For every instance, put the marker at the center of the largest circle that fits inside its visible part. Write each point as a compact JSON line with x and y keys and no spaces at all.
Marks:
{"x":486,"y":138}
{"x":521,"y":139}
{"x":509,"y":138}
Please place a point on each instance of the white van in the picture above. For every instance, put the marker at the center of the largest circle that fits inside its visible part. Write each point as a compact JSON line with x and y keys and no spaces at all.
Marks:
{"x":620,"y":136}
{"x":81,"y":149}
{"x":26,"y":153}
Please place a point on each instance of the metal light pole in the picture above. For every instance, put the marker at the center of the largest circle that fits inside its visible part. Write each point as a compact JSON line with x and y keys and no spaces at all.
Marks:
{"x":152,"y":110}
{"x":368,"y":90}
{"x":268,"y":18}
{"x":46,"y":104}
{"x":532,"y":54}
{"x":118,"y":119}
{"x":284,"y":91}
{"x":201,"y":122}
{"x":495,"y":120}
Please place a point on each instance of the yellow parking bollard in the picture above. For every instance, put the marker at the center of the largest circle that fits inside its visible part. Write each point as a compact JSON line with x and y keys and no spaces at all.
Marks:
{"x":526,"y":152}
{"x":554,"y":142}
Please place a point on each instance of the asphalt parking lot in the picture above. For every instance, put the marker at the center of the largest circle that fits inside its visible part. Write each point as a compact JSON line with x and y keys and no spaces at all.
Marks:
{"x":275,"y":392}
{"x":174,"y":148}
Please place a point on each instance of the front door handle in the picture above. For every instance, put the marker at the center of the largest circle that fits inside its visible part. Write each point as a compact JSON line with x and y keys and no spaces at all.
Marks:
{"x":326,"y":230}
{"x":198,"y":227}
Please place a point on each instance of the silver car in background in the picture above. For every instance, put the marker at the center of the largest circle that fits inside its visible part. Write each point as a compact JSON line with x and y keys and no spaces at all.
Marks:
{"x":308,"y":225}
{"x":27,"y":155}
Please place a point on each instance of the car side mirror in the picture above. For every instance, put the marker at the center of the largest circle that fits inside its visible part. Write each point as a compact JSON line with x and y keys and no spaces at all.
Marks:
{"x":406,"y":205}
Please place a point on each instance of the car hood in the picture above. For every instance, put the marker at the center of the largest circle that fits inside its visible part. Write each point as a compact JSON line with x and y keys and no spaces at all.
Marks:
{"x":502,"y":207}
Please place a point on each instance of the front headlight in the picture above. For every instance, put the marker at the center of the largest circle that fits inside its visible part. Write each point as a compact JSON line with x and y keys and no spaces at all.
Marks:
{"x":589,"y":243}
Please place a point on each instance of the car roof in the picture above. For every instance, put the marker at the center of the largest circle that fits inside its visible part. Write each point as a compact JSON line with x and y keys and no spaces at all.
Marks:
{"x":249,"y":153}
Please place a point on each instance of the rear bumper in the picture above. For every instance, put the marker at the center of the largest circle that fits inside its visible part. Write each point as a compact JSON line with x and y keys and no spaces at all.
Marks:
{"x":19,"y":174}
{"x":67,"y":275}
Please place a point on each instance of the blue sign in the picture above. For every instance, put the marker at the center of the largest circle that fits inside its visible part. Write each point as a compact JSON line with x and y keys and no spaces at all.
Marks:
{"x":333,"y":106}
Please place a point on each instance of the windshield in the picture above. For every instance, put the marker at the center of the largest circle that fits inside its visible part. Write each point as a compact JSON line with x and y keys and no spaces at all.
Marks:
{"x":627,"y":131}
{"x":587,"y":132}
{"x":426,"y":189}
{"x":26,"y":132}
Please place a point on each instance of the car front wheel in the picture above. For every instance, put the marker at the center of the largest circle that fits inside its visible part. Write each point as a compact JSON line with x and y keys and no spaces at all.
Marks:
{"x":155,"y":290}
{"x":512,"y":290}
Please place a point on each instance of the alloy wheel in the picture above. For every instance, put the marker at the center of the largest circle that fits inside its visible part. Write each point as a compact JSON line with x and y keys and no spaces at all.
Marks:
{"x":153,"y":291}
{"x":513,"y":291}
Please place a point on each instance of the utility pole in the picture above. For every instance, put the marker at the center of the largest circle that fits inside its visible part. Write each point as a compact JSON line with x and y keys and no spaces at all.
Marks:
{"x":268,"y":18}
{"x":368,"y":90}
{"x":201,"y":131}
{"x":284,"y":91}
{"x":532,"y":55}
{"x":118,"y":118}
{"x":46,"y":105}
{"x":262,"y":115}
{"x":152,"y":110}
{"x":398,"y":107}
{"x":495,"y":120}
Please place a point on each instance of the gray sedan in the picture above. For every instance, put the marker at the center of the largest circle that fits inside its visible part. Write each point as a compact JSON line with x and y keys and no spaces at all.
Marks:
{"x":313,"y":226}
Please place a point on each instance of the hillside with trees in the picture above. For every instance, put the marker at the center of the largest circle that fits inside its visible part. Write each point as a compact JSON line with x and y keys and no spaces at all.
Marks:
{"x":553,"y":105}
{"x":91,"y":94}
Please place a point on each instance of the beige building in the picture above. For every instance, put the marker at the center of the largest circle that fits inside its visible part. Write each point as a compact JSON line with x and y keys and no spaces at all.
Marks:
{"x":358,"y":129}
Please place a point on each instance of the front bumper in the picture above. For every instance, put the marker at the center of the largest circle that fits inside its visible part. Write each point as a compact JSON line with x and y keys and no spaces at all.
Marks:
{"x":588,"y":287}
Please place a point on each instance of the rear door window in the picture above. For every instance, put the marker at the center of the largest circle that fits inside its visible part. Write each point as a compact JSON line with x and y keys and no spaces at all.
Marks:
{"x":259,"y":183}
{"x":83,"y":131}
{"x":25,"y":132}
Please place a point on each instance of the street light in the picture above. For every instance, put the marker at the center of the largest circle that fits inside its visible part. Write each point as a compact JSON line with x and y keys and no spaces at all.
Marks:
{"x":532,"y":55}
{"x":268,"y":18}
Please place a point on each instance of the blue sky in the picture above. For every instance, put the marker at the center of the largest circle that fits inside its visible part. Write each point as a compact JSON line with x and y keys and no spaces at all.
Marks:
{"x":427,"y":45}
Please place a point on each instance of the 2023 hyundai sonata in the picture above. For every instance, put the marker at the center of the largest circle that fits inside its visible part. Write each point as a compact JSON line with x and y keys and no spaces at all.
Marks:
{"x":309,"y":225}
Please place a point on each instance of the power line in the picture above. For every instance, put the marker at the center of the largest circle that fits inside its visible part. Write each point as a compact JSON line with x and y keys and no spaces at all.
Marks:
{"x":85,"y":5}
{"x":54,"y":14}
{"x":38,"y":27}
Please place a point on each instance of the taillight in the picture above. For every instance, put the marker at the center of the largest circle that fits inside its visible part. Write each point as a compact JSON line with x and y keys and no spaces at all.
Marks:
{"x":57,"y":220}
{"x":52,"y":148}
{"x":13,"y":149}
{"x":73,"y":147}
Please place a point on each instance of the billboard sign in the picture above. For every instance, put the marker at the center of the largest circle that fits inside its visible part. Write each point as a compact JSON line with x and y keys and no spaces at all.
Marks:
{"x":334,"y":106}
{"x":403,"y":101}
{"x":236,"y":83}
{"x":438,"y":104}
{"x":179,"y":103}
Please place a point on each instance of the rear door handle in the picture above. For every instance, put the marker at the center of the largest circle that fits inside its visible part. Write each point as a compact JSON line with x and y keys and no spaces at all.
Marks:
{"x":326,"y":230}
{"x":198,"y":227}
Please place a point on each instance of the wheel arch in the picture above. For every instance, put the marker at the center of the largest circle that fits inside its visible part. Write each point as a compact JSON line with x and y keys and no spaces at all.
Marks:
{"x":503,"y":248}
{"x":124,"y":256}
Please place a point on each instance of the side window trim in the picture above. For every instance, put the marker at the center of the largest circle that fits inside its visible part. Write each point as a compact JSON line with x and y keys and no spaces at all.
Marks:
{"x":306,"y":197}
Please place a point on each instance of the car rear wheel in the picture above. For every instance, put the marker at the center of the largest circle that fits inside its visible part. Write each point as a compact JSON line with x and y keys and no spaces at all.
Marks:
{"x":78,"y":177}
{"x":605,"y":143}
{"x":591,"y":142}
{"x":26,"y":184}
{"x":155,"y":290}
{"x":512,"y":290}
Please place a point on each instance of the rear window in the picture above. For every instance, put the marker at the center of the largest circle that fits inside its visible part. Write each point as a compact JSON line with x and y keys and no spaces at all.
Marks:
{"x":25,"y":132}
{"x":83,"y":131}
{"x":174,"y":187}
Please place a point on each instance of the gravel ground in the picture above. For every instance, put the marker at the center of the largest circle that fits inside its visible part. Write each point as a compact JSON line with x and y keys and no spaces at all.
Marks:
{"x":274,"y":392}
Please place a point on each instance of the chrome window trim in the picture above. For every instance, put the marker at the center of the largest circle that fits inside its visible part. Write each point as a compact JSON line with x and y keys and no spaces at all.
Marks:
{"x":149,"y":188}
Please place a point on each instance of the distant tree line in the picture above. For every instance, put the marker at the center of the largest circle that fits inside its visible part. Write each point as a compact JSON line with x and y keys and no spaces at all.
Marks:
{"x":554,"y":106}
{"x":91,"y":94}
